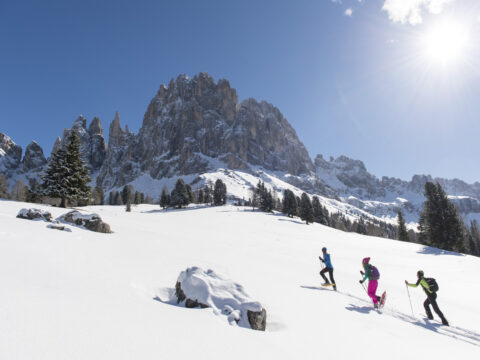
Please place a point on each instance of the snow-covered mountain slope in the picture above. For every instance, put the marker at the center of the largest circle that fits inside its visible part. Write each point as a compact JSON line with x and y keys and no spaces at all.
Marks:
{"x":84,"y":295}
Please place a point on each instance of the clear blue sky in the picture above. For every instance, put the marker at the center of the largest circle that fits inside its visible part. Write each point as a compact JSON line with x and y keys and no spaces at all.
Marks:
{"x":351,"y":78}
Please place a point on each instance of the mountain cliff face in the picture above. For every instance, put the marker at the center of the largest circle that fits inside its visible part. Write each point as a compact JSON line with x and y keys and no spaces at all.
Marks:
{"x":196,"y":125}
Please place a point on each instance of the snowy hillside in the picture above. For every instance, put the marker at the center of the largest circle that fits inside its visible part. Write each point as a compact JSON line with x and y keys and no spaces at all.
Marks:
{"x":85,"y":295}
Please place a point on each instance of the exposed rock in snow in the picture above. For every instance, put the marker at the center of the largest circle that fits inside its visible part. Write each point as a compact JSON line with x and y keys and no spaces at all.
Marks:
{"x":34,"y":214}
{"x":91,"y":222}
{"x":196,"y":287}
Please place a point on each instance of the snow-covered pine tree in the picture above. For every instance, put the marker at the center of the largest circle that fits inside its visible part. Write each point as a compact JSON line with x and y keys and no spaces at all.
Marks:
{"x":179,"y":196}
{"x":200,"y":197}
{"x":66,"y":176}
{"x":306,"y":209}
{"x":440,"y":224}
{"x":164,"y":198}
{"x":219,"y":193}
{"x":401,"y":228}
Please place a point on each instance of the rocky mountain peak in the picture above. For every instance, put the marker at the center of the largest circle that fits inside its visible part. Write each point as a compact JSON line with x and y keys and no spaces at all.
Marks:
{"x":34,"y":157}
{"x":95,"y":127}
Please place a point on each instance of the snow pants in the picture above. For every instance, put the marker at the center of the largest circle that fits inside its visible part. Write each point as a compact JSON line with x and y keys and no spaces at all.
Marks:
{"x":372,"y":290}
{"x":330,"y":274}
{"x":432,"y":299}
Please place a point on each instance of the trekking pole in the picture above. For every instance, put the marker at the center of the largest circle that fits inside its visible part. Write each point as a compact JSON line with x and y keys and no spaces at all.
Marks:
{"x":408,"y":292}
{"x":364,"y":288}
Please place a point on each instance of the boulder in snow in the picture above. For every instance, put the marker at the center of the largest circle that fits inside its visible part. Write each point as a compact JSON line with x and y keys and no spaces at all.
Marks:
{"x":91,"y":222}
{"x":196,"y":287}
{"x":34,"y":214}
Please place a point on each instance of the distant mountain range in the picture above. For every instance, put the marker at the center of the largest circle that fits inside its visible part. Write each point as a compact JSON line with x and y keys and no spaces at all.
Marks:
{"x":195,"y":126}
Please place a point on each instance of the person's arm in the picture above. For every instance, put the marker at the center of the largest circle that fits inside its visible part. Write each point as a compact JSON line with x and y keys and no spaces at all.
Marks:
{"x":412,"y":285}
{"x":366,"y":274}
{"x":320,"y":258}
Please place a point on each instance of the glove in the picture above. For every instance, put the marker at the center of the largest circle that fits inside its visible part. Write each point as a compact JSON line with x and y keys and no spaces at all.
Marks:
{"x":360,"y":281}
{"x":361,"y":272}
{"x":406,"y":282}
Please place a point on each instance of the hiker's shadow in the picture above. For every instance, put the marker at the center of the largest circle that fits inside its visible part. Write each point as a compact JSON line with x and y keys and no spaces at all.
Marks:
{"x":360,"y":309}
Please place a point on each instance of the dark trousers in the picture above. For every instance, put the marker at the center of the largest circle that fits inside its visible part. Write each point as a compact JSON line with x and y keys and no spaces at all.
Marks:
{"x":432,"y":299}
{"x":330,"y":274}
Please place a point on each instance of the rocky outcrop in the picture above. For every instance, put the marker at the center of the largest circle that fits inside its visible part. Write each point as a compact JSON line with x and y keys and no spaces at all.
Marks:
{"x":10,"y":154}
{"x":91,"y":222}
{"x":34,"y":214}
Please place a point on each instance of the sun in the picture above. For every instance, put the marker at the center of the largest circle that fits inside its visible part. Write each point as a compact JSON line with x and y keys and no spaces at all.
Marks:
{"x":445,"y":43}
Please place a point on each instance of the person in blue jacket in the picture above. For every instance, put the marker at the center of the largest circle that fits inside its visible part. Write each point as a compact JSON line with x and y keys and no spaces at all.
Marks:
{"x":328,"y":268}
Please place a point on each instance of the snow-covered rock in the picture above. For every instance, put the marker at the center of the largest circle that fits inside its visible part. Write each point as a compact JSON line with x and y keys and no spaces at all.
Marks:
{"x":196,"y":287}
{"x":34,"y":214}
{"x":91,"y":222}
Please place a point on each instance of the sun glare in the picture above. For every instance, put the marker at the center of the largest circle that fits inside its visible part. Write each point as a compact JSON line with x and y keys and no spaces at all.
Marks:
{"x":445,"y":43}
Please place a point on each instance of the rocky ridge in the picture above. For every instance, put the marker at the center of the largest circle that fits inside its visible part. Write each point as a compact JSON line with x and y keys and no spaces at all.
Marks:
{"x":196,"y":125}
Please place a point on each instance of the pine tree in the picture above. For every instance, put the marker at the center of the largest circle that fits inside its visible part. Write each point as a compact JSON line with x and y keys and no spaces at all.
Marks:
{"x":164,"y":198}
{"x":289,"y":207}
{"x":142,"y":198}
{"x":402,"y":228}
{"x":3,"y":187}
{"x":128,"y":194}
{"x":306,"y":209}
{"x":66,"y":176}
{"x":191,"y":198}
{"x":220,"y":193}
{"x":200,"y":197}
{"x":474,"y":238}
{"x":33,"y":194}
{"x":98,"y":196}
{"x":129,"y":206}
{"x":179,"y":196}
{"x":319,"y":212}
{"x":137,"y":198}
{"x":207,"y":198}
{"x":440,"y":225}
{"x":117,"y":199}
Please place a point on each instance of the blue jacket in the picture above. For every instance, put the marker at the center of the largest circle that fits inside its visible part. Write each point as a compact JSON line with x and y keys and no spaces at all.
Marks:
{"x":326,"y":260}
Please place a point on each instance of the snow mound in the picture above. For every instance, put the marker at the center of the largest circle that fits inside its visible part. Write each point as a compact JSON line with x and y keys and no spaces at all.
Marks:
{"x":199,"y":288}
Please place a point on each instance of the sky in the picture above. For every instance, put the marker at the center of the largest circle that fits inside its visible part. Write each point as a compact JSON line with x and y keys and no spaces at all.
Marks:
{"x":394,"y":83}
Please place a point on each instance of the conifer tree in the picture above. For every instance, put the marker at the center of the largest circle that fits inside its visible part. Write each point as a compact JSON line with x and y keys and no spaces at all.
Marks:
{"x":306,"y":209}
{"x":128,"y":194}
{"x":319,"y":212}
{"x":440,"y":225}
{"x":200,"y":197}
{"x":289,"y":207}
{"x":66,"y":176}
{"x":191,"y":198}
{"x":207,"y":197}
{"x":220,"y":193}
{"x":164,"y":198}
{"x":3,"y":187}
{"x":98,"y":196}
{"x":142,"y":198}
{"x":118,"y":199}
{"x":129,"y":206}
{"x":33,"y":194}
{"x":402,"y":228}
{"x":179,"y":196}
{"x":137,"y":198}
{"x":474,"y":238}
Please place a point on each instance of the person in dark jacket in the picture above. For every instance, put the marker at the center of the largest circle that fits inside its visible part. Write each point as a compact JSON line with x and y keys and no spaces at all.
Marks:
{"x":328,"y":268}
{"x":431,"y":297}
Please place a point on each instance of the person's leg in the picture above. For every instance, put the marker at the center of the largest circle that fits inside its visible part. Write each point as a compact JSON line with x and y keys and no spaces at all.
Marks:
{"x":433,"y":301}
{"x":372,"y":289}
{"x":330,"y":274}
{"x":426,"y":305}
{"x":323,"y":275}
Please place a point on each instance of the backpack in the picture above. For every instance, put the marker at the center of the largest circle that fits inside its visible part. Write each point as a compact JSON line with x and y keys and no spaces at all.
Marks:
{"x":432,"y":284}
{"x":375,"y":273}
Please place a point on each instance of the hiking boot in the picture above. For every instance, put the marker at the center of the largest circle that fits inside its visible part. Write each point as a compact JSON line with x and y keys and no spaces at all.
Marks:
{"x":326,"y":284}
{"x":379,"y":298}
{"x":335,"y":287}
{"x":375,"y":305}
{"x":445,"y":322}
{"x":430,"y":317}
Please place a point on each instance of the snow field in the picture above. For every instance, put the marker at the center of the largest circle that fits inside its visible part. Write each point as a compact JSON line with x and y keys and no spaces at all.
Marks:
{"x":84,"y":295}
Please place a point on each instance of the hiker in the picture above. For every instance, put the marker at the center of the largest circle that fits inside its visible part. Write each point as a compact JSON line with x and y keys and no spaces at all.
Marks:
{"x":371,"y":273}
{"x":328,"y":268}
{"x":430,"y":287}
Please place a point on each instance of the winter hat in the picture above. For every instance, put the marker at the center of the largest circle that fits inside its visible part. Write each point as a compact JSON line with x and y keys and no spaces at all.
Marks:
{"x":324,"y":249}
{"x":365,"y":261}
{"x":420,"y":274}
